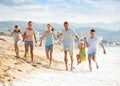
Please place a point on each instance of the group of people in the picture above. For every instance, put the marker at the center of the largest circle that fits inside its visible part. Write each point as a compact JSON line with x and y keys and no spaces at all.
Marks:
{"x":68,"y":35}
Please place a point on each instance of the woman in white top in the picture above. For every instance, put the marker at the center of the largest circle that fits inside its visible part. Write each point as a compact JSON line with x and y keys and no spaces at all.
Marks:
{"x":16,"y":34}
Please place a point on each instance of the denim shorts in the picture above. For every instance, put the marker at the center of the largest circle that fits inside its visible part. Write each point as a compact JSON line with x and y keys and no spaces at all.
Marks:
{"x":48,"y":47}
{"x":91,"y":56}
{"x":29,"y":42}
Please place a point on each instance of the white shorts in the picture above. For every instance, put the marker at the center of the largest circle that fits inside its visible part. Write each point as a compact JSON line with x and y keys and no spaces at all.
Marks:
{"x":70,"y":49}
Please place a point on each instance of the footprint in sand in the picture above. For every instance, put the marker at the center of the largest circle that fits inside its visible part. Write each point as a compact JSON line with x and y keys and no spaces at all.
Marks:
{"x":19,"y":70}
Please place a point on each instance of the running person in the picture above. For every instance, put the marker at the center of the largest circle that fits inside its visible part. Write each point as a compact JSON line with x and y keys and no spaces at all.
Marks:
{"x":17,"y":38}
{"x":29,"y":37}
{"x":49,"y":34}
{"x":92,"y":43}
{"x":68,"y":43}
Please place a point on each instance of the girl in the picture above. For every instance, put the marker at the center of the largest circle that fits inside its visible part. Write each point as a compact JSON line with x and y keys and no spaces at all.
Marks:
{"x":49,"y":42}
{"x":17,"y":38}
{"x":81,"y":57}
{"x":29,"y":37}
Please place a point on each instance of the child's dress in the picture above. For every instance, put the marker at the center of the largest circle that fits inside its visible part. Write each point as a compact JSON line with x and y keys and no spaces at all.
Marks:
{"x":83,"y":53}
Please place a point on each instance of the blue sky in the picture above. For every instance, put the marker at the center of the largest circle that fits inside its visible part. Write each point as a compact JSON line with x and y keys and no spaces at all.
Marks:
{"x":58,"y":11}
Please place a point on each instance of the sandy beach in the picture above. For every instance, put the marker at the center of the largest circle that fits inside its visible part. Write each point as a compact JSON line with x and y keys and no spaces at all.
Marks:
{"x":20,"y":72}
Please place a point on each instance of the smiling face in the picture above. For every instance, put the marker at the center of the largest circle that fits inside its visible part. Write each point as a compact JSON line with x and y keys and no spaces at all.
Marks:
{"x":30,"y":24}
{"x":92,"y":33}
{"x":81,"y":44}
{"x":66,"y":25}
{"x":49,"y":27}
{"x":17,"y":28}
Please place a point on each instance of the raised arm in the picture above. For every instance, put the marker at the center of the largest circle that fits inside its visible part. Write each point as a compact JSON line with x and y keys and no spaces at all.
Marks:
{"x":86,"y":42}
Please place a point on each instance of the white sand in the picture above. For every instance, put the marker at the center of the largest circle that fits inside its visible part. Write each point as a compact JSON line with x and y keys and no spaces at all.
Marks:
{"x":107,"y":75}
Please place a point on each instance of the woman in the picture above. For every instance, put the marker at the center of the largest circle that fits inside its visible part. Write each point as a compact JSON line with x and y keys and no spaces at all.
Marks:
{"x":49,"y":34}
{"x":29,"y":37}
{"x":17,"y":38}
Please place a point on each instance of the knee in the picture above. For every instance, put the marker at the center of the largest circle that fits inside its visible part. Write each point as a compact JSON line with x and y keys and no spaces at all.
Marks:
{"x":26,"y":50}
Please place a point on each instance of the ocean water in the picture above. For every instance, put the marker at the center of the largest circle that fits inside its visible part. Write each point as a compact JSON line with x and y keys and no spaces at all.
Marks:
{"x":107,"y":75}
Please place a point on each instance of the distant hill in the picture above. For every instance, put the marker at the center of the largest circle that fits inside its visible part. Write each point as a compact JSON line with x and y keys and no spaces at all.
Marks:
{"x":109,"y":32}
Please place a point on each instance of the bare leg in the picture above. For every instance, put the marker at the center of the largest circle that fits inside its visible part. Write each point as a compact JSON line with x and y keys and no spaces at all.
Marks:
{"x":51,"y":51}
{"x":17,"y":50}
{"x":71,"y":62}
{"x":65,"y":59}
{"x":47,"y":54}
{"x":31,"y":51}
{"x":90,"y":65}
{"x":26,"y":50}
{"x":94,"y":59}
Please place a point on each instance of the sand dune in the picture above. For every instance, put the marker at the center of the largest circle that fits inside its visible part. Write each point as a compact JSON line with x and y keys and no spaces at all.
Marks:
{"x":13,"y":68}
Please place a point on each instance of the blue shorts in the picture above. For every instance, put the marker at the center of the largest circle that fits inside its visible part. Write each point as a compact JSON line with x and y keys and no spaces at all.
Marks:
{"x":91,"y":56}
{"x":29,"y":42}
{"x":48,"y":47}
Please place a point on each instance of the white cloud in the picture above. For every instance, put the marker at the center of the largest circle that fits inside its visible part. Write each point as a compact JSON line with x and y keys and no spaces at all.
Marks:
{"x":60,"y":12}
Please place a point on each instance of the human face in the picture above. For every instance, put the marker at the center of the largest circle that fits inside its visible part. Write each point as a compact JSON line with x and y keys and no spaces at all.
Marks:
{"x":66,"y":26}
{"x":30,"y":25}
{"x":92,"y":34}
{"x":49,"y":27}
{"x":17,"y":29}
{"x":81,"y":44}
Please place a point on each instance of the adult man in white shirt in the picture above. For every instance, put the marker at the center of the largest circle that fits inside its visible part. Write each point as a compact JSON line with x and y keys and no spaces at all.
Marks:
{"x":92,"y":43}
{"x":68,"y":43}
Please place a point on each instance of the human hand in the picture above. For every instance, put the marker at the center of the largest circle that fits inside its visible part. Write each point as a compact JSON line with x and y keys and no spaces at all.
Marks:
{"x":104,"y":51}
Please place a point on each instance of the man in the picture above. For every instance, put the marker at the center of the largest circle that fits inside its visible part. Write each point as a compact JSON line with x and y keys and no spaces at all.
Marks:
{"x":29,"y":37}
{"x":68,"y":43}
{"x":92,"y":43}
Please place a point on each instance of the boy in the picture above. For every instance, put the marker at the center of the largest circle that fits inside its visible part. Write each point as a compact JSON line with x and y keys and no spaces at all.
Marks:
{"x":92,"y":42}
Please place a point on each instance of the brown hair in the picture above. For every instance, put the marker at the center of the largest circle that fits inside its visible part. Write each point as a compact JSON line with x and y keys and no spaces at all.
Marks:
{"x":16,"y":26}
{"x":29,"y":22}
{"x":52,"y":27}
{"x":65,"y":22}
{"x":92,"y":30}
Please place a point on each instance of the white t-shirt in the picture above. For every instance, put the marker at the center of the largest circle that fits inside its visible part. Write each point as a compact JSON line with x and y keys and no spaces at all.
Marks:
{"x":68,"y":38}
{"x":93,"y":44}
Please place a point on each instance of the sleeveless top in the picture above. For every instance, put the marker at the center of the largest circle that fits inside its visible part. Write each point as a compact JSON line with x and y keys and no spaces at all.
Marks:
{"x":49,"y":39}
{"x":83,"y":52}
{"x":16,"y":35}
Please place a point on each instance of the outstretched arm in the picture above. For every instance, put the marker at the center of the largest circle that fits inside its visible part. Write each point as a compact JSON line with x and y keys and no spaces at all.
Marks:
{"x":55,"y":36}
{"x":11,"y":33}
{"x":41,"y":38}
{"x":59,"y":35}
{"x":77,"y":37}
{"x":35,"y":38}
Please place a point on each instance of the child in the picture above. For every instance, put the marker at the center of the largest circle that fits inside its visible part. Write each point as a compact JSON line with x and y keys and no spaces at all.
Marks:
{"x":17,"y":38}
{"x":92,"y":43}
{"x":81,"y":57}
{"x":49,"y":42}
{"x":29,"y":37}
